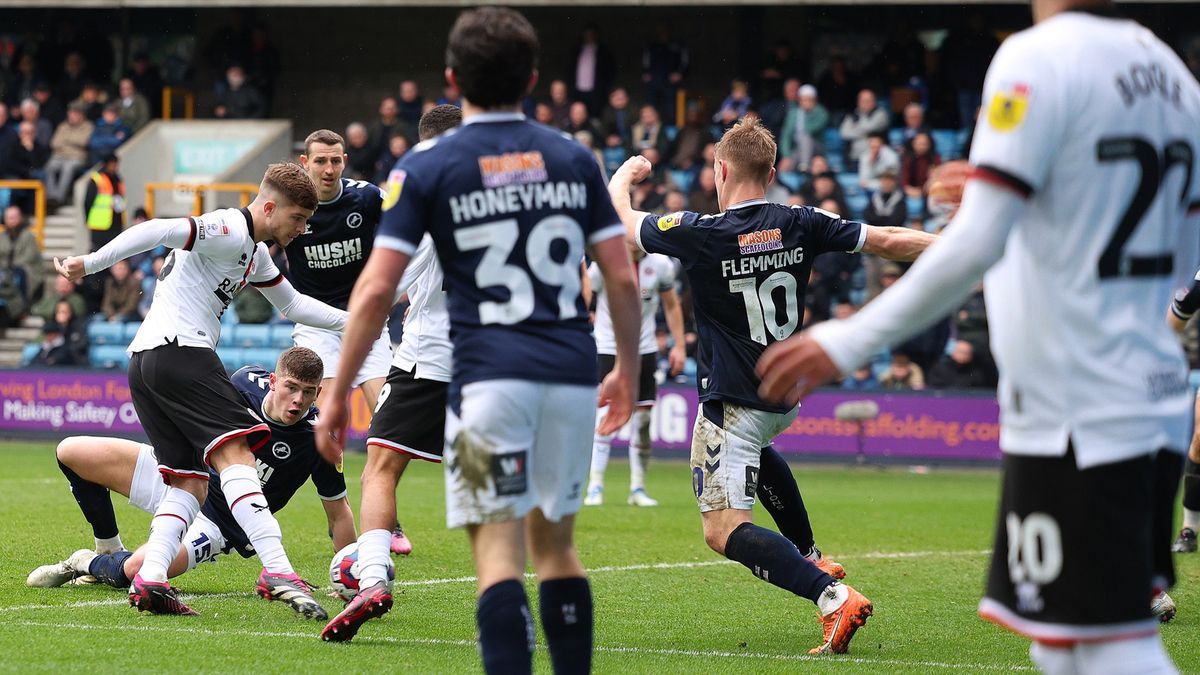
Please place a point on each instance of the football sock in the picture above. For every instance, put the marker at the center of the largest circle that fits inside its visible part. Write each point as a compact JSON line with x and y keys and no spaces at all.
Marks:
{"x":775,"y":560}
{"x":1191,"y":495}
{"x":601,"y":446}
{"x":1053,"y":660}
{"x":639,"y":450}
{"x":374,"y":549}
{"x":175,"y":513}
{"x":249,"y":507}
{"x":110,"y":568}
{"x":1144,"y":656}
{"x":566,"y":609}
{"x":109,"y":544}
{"x":832,"y":598}
{"x":780,"y":496}
{"x":93,"y":500}
{"x":506,"y":636}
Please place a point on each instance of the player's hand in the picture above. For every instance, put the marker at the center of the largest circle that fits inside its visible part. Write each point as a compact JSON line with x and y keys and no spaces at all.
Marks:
{"x":676,"y":359}
{"x":635,"y":168}
{"x":70,"y":268}
{"x":792,"y":369}
{"x":331,"y":429}
{"x":616,"y":392}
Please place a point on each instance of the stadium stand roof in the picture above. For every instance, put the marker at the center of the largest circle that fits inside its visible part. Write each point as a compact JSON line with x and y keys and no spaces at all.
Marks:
{"x":111,"y":4}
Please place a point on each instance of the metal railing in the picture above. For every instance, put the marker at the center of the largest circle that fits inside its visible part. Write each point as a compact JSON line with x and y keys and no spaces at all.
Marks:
{"x":189,"y":102}
{"x":39,"y":204}
{"x":244,"y":191}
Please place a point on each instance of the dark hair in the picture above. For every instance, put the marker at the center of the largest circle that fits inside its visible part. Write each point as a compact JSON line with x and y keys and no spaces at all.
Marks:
{"x":493,"y":52}
{"x":324,"y":137}
{"x":301,"y":363}
{"x":438,"y":120}
{"x":291,"y":183}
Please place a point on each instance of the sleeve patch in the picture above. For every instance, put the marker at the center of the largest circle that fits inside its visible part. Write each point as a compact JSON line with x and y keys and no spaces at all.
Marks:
{"x":669,"y":221}
{"x":1006,"y":111}
{"x":395,"y":184}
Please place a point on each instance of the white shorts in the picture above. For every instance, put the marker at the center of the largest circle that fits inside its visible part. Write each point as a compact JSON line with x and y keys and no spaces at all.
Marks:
{"x":328,"y":344}
{"x":727,"y":444}
{"x":517,"y":446}
{"x":203,"y":540}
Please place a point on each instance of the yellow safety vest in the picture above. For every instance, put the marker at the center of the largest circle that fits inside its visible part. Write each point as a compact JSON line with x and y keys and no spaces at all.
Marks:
{"x":100,"y":216}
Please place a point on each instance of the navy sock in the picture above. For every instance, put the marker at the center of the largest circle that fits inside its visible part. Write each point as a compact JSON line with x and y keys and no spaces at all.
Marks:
{"x":110,"y":568}
{"x":506,"y":635}
{"x":1191,"y":486}
{"x":780,"y":496}
{"x":775,"y":560}
{"x":93,"y":500}
{"x":566,"y":608}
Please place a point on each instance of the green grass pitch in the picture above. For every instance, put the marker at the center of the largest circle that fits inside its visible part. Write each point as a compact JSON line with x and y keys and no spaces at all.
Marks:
{"x":915,"y":544}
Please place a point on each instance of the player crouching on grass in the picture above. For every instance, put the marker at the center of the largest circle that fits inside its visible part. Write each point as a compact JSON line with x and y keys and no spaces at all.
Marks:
{"x":94,"y":466}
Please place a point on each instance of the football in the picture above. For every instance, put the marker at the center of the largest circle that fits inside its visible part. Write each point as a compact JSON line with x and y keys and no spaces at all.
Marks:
{"x":343,"y":572}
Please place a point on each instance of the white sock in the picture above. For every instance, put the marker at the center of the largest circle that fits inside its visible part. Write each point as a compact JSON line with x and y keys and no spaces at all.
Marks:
{"x":244,"y":495}
{"x":172,"y":518}
{"x":601,"y":446}
{"x":1191,"y":519}
{"x":1140,"y":656}
{"x":639,"y":450}
{"x":1053,"y":660}
{"x":374,"y":547}
{"x":109,"y":545}
{"x":832,"y":598}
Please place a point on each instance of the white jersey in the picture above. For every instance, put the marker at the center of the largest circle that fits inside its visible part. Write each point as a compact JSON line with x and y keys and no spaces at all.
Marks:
{"x":1095,"y":121}
{"x":425,"y":348}
{"x":656,"y":274}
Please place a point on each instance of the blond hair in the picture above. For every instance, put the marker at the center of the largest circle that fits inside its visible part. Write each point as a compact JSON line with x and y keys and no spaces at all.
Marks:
{"x":750,"y":148}
{"x":291,"y":182}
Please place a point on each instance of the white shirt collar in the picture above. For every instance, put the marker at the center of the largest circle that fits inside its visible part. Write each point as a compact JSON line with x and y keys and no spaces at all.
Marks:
{"x":495,"y":117}
{"x":748,"y":202}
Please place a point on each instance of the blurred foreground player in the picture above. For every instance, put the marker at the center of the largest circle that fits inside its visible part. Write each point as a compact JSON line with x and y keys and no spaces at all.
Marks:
{"x":511,"y":206}
{"x":1083,"y":176}
{"x":748,"y":268}
{"x":1182,"y":309}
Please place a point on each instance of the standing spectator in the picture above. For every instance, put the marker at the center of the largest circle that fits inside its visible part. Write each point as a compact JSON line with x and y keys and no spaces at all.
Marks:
{"x":360,"y":158}
{"x":918,"y":162}
{"x":687,"y":152}
{"x":592,"y":71}
{"x":649,"y":131}
{"x":560,"y":104}
{"x":135,"y":109}
{"x":240,"y":100}
{"x":735,"y":105}
{"x":617,"y":119}
{"x":31,"y":111}
{"x":50,"y":107}
{"x":579,"y":121}
{"x":68,"y":154}
{"x":959,"y":369}
{"x":903,"y":374}
{"x":703,"y":199}
{"x":388,"y":125}
{"x":109,"y":133}
{"x":122,"y":293}
{"x":64,"y":290}
{"x":54,"y":349}
{"x":914,"y":123}
{"x":89,"y":100}
{"x":411,"y":104}
{"x":866,"y":119}
{"x":887,"y":205}
{"x":664,"y":65}
{"x":782,"y":65}
{"x":802,"y":129}
{"x":838,"y":87}
{"x":877,"y":160}
{"x":104,"y":203}
{"x":147,"y":81}
{"x":21,"y":256}
{"x":24,"y":80}
{"x":74,"y":74}
{"x":74,"y":331}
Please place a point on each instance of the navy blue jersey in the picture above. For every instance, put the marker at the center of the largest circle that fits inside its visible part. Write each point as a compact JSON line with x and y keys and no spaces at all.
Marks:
{"x":748,"y":268}
{"x":510,"y":205}
{"x":284,"y":464}
{"x":324,"y":262}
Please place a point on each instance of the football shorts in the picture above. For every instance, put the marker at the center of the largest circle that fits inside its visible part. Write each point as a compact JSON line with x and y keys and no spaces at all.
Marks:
{"x":727,"y":443}
{"x":410,"y":416}
{"x":328,"y":344}
{"x":647,"y":391}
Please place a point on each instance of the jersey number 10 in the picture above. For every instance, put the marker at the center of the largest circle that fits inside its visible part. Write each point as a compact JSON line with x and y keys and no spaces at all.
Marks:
{"x":761,"y":312}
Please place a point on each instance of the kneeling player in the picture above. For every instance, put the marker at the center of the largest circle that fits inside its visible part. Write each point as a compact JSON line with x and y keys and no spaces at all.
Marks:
{"x":94,"y":466}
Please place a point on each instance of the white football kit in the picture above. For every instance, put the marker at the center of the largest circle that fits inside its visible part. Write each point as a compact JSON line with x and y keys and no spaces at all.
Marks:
{"x":425,"y":349}
{"x":656,"y":275}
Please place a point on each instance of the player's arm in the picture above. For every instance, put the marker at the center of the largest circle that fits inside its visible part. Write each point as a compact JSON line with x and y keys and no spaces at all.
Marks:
{"x":1184,"y":306}
{"x":585,"y":280}
{"x":624,"y":306}
{"x":169,"y":232}
{"x":673,"y":310}
{"x":633,"y":171}
{"x":341,"y":522}
{"x":896,"y":243}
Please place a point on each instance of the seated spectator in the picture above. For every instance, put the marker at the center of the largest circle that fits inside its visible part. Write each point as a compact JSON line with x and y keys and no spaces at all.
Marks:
{"x":703,"y":199}
{"x":588,"y":140}
{"x":147,"y":81}
{"x":543,"y":113}
{"x":135,"y":109}
{"x":240,"y":100}
{"x":616,"y":122}
{"x":887,"y":206}
{"x":866,"y":119}
{"x":90,"y":100}
{"x":21,"y":255}
{"x":560,"y":105}
{"x":31,"y":112}
{"x":27,"y":159}
{"x":410,"y":104}
{"x":800,"y":139}
{"x":450,"y":96}
{"x":579,"y":121}
{"x":397,"y":146}
{"x":823,"y":187}
{"x":674,"y":201}
{"x":74,"y":331}
{"x":388,"y":125}
{"x":64,"y":290}
{"x":109,"y":133}
{"x":862,"y":379}
{"x":54,"y":351}
{"x":360,"y":161}
{"x":958,"y":370}
{"x":687,"y":152}
{"x":914,"y":123}
{"x":735,"y":105}
{"x":649,"y":131}
{"x":902,"y":374}
{"x":68,"y":154}
{"x":918,"y":162}
{"x":877,"y":160}
{"x":122,"y":293}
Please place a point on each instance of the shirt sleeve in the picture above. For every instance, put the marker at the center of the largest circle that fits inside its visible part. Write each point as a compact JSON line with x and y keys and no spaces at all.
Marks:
{"x":666,"y":275}
{"x":264,"y":273}
{"x":831,"y":232}
{"x":406,"y":210}
{"x":330,"y":483}
{"x":1022,"y":121}
{"x":213,"y":235}
{"x":170,"y":232}
{"x":679,"y":235}
{"x":1187,"y":301}
{"x":596,"y":278}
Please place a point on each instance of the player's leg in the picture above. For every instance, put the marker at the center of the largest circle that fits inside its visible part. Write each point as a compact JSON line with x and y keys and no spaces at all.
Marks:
{"x":377,"y":512}
{"x":1168,"y":467}
{"x":93,"y":466}
{"x":639,"y":438}
{"x":601,"y":443}
{"x":203,"y":542}
{"x":780,"y":495}
{"x":502,"y":615}
{"x":1186,"y":541}
{"x":1138,"y":656}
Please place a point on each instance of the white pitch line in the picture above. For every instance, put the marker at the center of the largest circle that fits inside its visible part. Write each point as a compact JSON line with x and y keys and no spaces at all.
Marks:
{"x":830,"y":660}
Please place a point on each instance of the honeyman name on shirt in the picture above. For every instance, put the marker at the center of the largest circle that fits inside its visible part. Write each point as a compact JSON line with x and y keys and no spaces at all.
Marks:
{"x":739,"y":267}
{"x":517,"y":198}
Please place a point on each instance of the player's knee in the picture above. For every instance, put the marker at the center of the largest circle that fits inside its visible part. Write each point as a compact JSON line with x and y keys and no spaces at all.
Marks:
{"x":69,"y":450}
{"x":642,"y":418}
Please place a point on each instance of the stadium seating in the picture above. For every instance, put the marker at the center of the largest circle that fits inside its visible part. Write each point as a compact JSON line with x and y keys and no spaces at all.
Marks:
{"x":916,"y":207}
{"x":896,"y":137}
{"x":260,"y":357}
{"x":281,"y":335}
{"x":131,"y":329}
{"x":108,"y":356}
{"x":105,"y":333}
{"x":28,"y":352}
{"x":682,"y":180}
{"x":792,"y":180}
{"x":946,"y":142}
{"x":231,"y":358}
{"x":250,"y":335}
